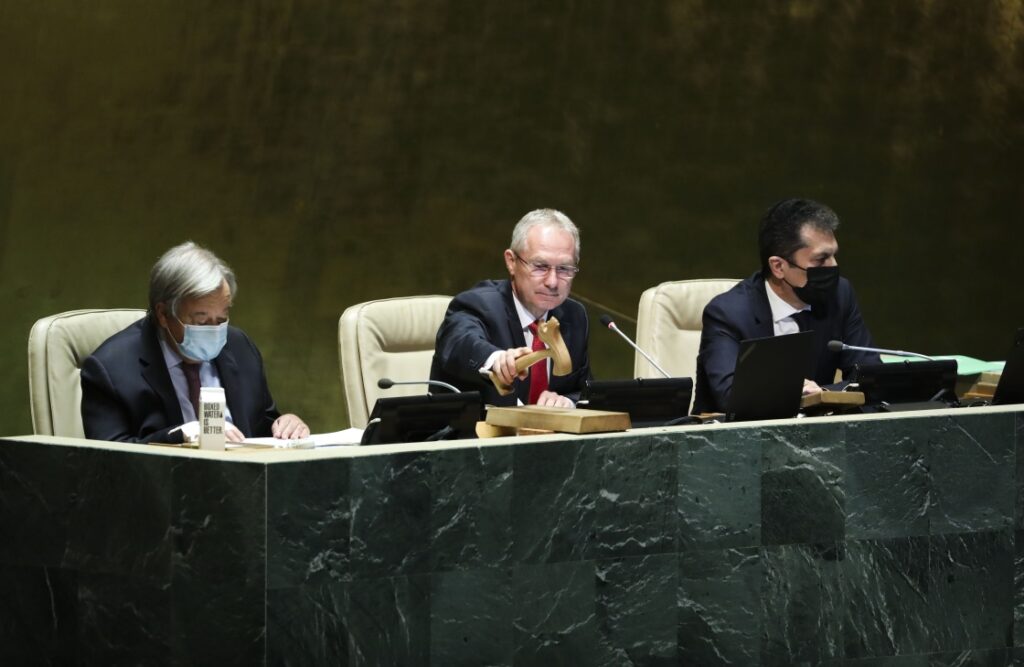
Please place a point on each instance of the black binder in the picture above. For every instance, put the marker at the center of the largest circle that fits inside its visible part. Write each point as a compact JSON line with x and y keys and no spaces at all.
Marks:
{"x":916,"y":382}
{"x":649,"y":401}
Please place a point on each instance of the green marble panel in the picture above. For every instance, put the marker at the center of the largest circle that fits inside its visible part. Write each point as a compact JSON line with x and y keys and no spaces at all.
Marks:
{"x":719,"y":606}
{"x":637,"y":617}
{"x":719,"y":493}
{"x":802,"y":491}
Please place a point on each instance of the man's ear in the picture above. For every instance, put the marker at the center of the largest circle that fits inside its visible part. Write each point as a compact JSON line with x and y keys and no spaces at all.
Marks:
{"x":510,"y":261}
{"x":161,"y":314}
{"x":777,"y":266}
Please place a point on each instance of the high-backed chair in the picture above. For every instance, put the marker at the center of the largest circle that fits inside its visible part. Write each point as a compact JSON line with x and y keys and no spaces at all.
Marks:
{"x":57,"y":346}
{"x":392,"y":338}
{"x":669,"y":325}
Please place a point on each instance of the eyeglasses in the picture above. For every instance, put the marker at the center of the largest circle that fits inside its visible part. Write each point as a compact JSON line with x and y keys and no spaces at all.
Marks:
{"x":541,"y":269}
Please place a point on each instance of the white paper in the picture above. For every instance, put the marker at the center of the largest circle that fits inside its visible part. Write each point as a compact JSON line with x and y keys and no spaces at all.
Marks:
{"x":350,"y":436}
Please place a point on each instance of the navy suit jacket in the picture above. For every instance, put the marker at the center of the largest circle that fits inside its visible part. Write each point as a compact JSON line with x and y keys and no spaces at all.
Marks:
{"x":482,"y":320}
{"x":743,"y":312}
{"x":127,"y":394}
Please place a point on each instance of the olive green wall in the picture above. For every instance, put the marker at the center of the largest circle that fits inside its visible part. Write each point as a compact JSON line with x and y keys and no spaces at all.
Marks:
{"x":336,"y":152}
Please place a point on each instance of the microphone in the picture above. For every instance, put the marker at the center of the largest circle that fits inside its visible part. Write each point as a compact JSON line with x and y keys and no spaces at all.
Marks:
{"x":840,"y":346}
{"x":610,"y":323}
{"x":388,"y":383}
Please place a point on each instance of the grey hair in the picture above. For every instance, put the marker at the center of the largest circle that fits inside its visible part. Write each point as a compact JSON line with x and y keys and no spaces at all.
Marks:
{"x":548,"y":217}
{"x":187,"y":271}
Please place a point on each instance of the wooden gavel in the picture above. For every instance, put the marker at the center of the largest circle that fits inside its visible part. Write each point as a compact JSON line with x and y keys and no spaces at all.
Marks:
{"x":561,"y":362}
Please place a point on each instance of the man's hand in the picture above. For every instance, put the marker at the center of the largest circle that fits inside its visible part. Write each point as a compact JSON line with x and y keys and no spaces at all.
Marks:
{"x":810,"y":387}
{"x":553,"y":400}
{"x":231,"y":433}
{"x":504,"y":365}
{"x":289,"y":427}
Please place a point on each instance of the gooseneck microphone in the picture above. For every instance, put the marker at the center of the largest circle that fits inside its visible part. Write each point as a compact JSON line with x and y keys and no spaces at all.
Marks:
{"x":840,"y":346}
{"x":610,"y":323}
{"x":388,"y":383}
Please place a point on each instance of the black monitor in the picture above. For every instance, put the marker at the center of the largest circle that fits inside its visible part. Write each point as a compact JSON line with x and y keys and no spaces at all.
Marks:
{"x":907,"y":381}
{"x":649,"y":401}
{"x":424,"y":418}
{"x":1010,"y":389}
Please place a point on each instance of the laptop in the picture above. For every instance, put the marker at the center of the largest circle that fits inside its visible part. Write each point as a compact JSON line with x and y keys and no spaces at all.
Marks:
{"x":914,"y":384}
{"x":1010,"y":388}
{"x":649,"y":401}
{"x":769,"y":377}
{"x":424,"y":418}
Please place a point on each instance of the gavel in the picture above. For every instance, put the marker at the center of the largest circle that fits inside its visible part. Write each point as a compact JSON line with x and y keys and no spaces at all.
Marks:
{"x":561,"y":363}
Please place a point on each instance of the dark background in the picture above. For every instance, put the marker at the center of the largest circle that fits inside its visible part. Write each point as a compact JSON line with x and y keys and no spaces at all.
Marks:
{"x":337,"y":152}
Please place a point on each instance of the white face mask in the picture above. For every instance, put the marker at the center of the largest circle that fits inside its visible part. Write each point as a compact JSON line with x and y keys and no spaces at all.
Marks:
{"x":203,"y":342}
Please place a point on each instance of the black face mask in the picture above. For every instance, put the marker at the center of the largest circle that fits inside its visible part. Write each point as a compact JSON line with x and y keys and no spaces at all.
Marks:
{"x":822,"y":282}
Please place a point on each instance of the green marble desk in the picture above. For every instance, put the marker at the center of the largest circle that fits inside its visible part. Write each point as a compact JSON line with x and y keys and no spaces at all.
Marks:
{"x":840,"y":541}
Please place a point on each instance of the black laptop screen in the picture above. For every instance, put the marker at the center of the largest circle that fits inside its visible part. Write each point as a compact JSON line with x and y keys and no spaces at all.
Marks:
{"x":1011,"y":382}
{"x":769,"y":377}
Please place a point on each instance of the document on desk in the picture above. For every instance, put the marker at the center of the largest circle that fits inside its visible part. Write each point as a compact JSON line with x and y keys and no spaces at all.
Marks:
{"x":347,"y":437}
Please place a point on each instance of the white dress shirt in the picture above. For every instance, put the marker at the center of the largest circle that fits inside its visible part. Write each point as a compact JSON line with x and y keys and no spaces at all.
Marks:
{"x":782,"y":313}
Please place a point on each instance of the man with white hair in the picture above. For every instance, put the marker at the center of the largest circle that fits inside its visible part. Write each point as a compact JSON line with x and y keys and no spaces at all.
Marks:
{"x":491,"y":325}
{"x":143,"y":382}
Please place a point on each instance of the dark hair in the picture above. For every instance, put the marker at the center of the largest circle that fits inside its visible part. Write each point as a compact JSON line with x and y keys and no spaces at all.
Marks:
{"x":779,"y":232}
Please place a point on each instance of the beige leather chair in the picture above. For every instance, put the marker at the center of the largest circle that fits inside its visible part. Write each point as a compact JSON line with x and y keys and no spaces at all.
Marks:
{"x":57,"y":346}
{"x":669,"y":325}
{"x":392,"y":338}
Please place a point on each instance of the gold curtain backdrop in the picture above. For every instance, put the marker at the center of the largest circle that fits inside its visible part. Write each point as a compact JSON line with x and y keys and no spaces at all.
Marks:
{"x":335,"y":153}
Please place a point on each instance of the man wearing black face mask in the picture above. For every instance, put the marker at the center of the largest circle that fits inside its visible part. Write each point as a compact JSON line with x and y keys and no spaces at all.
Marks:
{"x":798,"y":288}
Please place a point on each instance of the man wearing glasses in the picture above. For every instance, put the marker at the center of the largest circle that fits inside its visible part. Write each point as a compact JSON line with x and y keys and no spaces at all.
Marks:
{"x":491,"y":325}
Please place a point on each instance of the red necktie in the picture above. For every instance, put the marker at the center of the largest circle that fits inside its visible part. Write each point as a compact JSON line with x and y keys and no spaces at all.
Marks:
{"x":539,"y":371}
{"x":192,"y":378}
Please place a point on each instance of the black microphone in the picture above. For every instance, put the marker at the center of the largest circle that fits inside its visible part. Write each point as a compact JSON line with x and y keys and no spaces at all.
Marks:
{"x":610,"y":323}
{"x":388,"y":383}
{"x":840,"y":346}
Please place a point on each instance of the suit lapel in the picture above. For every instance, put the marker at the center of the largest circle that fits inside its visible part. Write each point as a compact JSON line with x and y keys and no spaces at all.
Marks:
{"x":227,"y":369}
{"x":154,"y":372}
{"x":515,"y":331}
{"x":764,"y":326}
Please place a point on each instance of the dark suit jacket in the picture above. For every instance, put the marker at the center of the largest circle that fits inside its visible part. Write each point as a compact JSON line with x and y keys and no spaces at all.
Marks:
{"x":484,"y":319}
{"x":743,"y":312}
{"x":127,"y":394}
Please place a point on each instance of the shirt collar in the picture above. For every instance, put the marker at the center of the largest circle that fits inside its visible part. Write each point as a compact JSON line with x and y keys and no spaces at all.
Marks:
{"x":526,"y":318}
{"x":780,"y":309}
{"x":171,"y":357}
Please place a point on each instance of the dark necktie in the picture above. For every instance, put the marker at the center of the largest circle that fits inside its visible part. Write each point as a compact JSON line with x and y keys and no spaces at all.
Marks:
{"x":539,"y":371}
{"x":804,"y":320}
{"x":192,"y":378}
